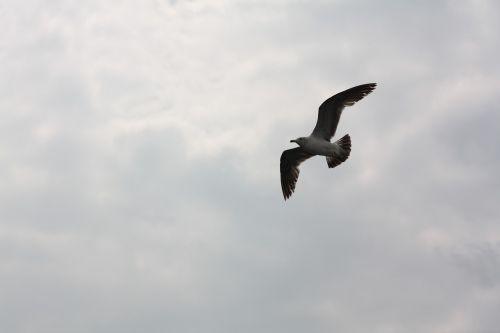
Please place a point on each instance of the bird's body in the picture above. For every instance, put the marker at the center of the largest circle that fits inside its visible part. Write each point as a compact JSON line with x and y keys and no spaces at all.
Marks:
{"x":318,"y":143}
{"x":318,"y":146}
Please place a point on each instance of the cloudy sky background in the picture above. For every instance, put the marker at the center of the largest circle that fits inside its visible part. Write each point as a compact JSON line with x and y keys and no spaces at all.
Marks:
{"x":139,"y":167}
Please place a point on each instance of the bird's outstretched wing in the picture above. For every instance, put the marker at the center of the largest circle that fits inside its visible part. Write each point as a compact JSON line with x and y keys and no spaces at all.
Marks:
{"x":331,"y":109}
{"x":289,"y":168}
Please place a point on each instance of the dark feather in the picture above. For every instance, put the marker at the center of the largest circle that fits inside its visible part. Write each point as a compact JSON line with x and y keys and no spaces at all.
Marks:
{"x":331,"y":109}
{"x":289,"y":169}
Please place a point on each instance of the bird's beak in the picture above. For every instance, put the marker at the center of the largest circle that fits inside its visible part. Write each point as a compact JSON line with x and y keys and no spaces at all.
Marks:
{"x":293,"y":141}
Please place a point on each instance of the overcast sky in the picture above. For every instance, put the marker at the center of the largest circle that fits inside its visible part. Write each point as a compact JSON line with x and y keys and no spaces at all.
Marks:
{"x":139,"y":167}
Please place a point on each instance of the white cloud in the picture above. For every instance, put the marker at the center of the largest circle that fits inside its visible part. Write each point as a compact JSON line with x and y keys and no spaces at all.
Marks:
{"x":140,"y":143}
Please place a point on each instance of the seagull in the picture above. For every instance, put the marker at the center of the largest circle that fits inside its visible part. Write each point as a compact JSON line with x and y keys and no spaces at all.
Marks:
{"x":318,"y":143}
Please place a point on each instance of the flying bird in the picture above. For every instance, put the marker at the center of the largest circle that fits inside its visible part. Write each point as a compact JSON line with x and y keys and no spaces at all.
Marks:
{"x":318,"y":143}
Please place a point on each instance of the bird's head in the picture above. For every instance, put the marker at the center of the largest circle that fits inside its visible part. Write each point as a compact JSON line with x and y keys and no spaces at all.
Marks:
{"x":299,"y":141}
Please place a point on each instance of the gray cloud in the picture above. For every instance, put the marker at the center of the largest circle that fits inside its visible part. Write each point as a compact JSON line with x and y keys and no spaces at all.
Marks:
{"x":140,"y":147}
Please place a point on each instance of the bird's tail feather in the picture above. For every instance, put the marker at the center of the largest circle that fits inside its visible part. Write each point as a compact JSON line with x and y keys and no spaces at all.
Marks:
{"x":345,"y":144}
